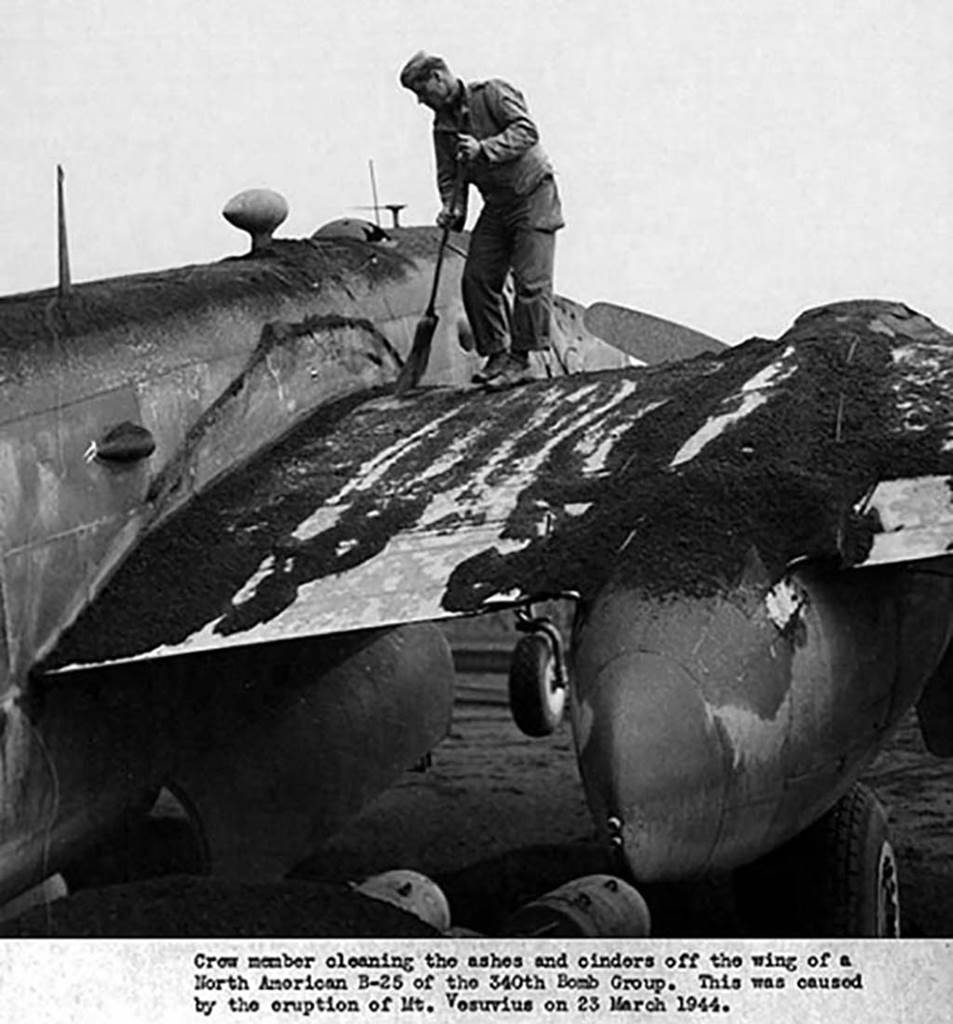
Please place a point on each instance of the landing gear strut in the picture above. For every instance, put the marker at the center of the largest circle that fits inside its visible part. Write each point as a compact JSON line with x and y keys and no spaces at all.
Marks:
{"x":538,"y":679}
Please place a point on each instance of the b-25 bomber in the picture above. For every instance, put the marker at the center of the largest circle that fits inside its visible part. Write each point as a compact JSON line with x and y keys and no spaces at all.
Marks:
{"x":227,"y":541}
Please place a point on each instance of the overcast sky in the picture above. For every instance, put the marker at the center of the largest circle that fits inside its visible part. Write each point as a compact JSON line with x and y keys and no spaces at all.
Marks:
{"x":725,"y":163}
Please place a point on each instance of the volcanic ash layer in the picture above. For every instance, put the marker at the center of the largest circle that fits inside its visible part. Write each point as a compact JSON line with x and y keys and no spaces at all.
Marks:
{"x":672,"y":479}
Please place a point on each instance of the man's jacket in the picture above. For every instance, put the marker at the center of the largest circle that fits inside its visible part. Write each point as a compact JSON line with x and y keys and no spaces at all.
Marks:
{"x":511,"y":162}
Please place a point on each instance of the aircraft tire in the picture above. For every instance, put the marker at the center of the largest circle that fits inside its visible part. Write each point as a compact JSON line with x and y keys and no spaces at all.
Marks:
{"x":838,"y":878}
{"x":536,"y":701}
{"x":865,"y":868}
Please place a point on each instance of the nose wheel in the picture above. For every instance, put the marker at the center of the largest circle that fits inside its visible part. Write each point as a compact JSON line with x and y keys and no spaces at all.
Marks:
{"x":538,"y":681}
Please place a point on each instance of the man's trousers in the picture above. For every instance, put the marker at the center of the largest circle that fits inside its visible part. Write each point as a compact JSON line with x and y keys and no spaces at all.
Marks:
{"x":517,"y":234}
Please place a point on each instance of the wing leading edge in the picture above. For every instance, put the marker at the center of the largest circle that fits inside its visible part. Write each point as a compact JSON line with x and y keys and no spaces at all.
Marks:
{"x":667,"y":478}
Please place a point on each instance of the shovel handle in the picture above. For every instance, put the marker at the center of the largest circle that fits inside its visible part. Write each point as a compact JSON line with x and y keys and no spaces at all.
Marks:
{"x":457,"y":186}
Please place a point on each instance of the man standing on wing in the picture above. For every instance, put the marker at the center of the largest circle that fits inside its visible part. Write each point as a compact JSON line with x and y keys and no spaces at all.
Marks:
{"x":484,"y":131}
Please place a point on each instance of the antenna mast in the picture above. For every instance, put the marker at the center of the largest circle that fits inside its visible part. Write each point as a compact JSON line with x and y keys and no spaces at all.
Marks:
{"x":377,"y":209}
{"x":62,"y":246}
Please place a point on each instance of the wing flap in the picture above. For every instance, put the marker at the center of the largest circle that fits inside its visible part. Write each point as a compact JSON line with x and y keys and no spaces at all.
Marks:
{"x":912,"y":519}
{"x":404,"y":583}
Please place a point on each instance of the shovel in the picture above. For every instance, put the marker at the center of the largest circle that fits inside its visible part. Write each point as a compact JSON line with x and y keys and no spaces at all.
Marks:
{"x":419,"y":355}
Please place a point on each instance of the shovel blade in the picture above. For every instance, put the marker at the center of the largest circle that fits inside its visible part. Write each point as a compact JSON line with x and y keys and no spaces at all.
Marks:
{"x":419,"y":356}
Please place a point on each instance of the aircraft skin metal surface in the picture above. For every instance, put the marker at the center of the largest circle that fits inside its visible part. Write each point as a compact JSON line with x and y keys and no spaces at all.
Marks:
{"x":270,"y":753}
{"x":195,"y":370}
{"x":735,"y":660}
{"x":650,"y":338}
{"x":713,"y":728}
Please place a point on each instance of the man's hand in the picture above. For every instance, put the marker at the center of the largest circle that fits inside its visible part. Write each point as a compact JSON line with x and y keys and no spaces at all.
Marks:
{"x":467,"y":148}
{"x":453,"y":218}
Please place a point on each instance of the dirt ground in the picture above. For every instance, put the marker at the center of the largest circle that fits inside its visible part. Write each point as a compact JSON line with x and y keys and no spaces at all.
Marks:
{"x":916,"y":789}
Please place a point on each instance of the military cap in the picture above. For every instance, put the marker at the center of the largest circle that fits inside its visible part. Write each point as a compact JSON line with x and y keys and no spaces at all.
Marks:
{"x":419,"y":65}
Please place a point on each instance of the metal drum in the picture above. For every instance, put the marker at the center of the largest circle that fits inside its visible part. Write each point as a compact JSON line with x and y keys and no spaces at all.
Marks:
{"x":595,"y":906}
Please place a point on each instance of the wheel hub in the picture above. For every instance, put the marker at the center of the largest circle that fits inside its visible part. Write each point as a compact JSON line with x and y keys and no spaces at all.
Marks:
{"x":888,"y":894}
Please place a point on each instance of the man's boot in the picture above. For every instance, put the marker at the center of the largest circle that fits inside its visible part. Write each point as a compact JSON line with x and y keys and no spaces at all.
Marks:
{"x":516,"y":371}
{"x":492,"y":368}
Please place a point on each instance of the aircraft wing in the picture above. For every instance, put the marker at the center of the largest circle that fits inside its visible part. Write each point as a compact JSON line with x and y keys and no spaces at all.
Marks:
{"x":453,"y":502}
